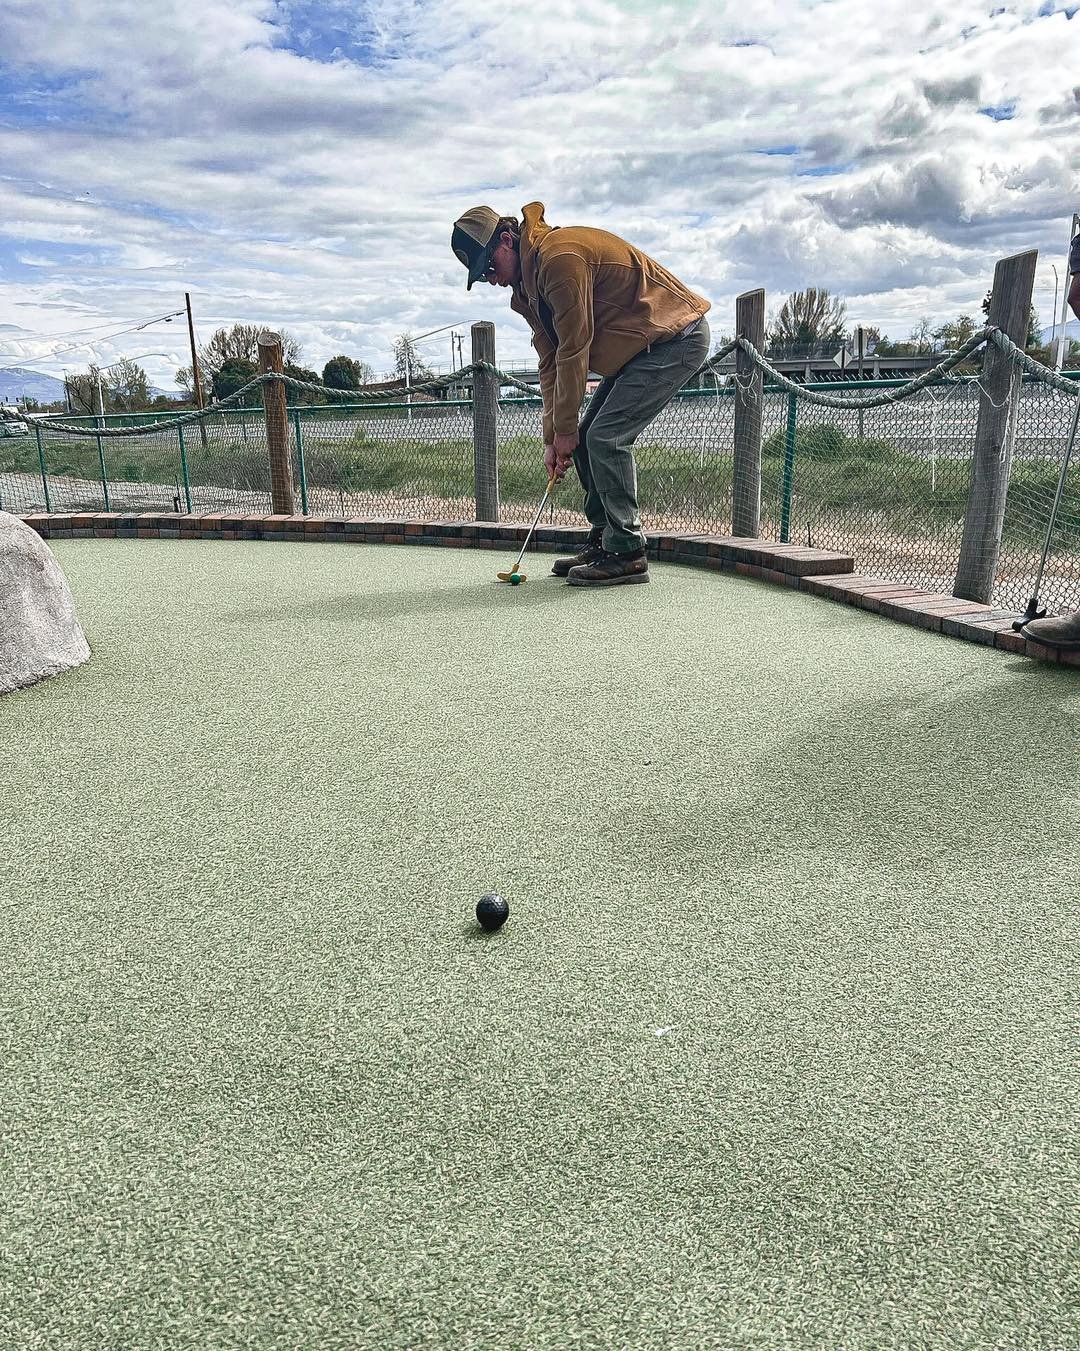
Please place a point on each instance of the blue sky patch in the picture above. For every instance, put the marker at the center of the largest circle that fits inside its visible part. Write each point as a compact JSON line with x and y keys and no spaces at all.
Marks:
{"x":824,"y":171}
{"x":28,"y":100}
{"x":779,"y":150}
{"x":310,"y":29}
{"x":1000,"y":112}
{"x":48,"y":258}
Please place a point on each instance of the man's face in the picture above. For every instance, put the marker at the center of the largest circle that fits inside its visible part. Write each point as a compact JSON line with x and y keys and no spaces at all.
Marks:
{"x":505,"y":266}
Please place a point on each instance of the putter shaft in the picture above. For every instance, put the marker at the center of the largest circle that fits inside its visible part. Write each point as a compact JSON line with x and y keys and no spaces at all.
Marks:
{"x":550,"y":488}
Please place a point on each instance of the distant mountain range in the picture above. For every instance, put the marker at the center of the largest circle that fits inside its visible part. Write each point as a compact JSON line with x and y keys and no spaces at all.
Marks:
{"x":17,"y":383}
{"x":1072,"y":330}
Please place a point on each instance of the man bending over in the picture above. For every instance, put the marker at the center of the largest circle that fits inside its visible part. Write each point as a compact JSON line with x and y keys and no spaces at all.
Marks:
{"x":593,"y":302}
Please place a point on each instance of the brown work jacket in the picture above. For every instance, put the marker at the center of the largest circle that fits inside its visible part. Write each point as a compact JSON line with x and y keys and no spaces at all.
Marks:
{"x":593,"y":302}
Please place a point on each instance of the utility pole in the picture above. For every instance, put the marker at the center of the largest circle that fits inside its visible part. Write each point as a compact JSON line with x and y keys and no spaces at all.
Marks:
{"x":195,"y":367}
{"x":408,"y":380}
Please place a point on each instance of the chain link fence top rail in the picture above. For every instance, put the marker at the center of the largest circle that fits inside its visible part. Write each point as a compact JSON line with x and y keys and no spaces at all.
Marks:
{"x":883,"y":474}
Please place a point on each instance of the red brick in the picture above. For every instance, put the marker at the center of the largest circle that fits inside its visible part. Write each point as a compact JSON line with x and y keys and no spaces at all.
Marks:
{"x":1009,"y":640}
{"x":1039,"y":652}
{"x":912,"y":614}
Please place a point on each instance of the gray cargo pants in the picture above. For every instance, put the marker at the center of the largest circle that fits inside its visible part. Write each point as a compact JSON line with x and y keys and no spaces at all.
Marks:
{"x":621,"y":408}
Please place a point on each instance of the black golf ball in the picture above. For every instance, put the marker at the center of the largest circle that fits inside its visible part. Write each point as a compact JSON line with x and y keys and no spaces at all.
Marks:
{"x":492,"y":912}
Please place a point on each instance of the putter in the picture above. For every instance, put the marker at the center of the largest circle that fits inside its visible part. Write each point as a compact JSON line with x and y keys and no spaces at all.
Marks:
{"x":513,"y":576}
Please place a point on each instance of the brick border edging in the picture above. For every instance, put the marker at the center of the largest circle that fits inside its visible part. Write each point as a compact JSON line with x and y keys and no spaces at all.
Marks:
{"x":821,"y":572}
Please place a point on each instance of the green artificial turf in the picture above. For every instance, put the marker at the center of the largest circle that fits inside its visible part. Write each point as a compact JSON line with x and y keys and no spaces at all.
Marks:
{"x":776,"y":1051}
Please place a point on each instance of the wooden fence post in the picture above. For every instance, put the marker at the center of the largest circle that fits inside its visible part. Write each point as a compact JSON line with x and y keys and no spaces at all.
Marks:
{"x":282,"y":492}
{"x":749,"y":382}
{"x":485,"y":387}
{"x":1010,"y":305}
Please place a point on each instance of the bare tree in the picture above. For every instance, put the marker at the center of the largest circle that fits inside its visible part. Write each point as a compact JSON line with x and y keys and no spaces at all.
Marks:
{"x":921,"y":336}
{"x":406,"y":359}
{"x":809,"y":323}
{"x":239,"y":343}
{"x":82,"y":390}
{"x":129,"y":389}
{"x":124,"y":389}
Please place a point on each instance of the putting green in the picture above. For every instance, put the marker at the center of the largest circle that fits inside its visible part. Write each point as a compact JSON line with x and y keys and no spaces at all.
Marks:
{"x":776,"y":1050}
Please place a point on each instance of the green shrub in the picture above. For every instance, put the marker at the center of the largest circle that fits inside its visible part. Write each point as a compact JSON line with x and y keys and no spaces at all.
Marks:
{"x":827,"y":441}
{"x":824,"y":442}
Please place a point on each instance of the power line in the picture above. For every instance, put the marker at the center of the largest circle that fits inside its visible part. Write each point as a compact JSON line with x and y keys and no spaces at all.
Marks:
{"x":68,"y":332}
{"x":59,"y":351}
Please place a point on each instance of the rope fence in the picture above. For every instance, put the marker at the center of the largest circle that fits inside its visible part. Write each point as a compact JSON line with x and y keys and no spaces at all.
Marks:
{"x":951,"y":481}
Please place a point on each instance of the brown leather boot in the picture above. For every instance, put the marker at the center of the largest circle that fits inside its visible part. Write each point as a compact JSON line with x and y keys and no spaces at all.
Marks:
{"x":612,"y":570}
{"x":591,"y":552}
{"x":1061,"y":632}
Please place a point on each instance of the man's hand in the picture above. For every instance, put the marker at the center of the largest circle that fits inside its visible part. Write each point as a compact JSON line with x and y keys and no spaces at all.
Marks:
{"x":559,"y":455}
{"x":563,"y":448}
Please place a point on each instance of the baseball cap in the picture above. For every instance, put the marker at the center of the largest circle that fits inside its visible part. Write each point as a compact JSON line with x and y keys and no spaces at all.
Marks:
{"x":473,"y":240}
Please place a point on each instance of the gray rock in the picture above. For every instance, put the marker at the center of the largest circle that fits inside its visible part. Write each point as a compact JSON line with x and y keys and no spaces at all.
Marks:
{"x":40,"y":635}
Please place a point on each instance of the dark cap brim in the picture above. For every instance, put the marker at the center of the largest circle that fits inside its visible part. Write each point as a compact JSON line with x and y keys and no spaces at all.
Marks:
{"x":481,"y":265}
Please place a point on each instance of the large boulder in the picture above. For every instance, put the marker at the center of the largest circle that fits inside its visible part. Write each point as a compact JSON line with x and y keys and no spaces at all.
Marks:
{"x":39,"y":633}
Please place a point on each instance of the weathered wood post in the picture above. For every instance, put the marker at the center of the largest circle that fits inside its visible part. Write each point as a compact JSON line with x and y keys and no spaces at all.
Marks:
{"x":1010,"y":305}
{"x":749,"y":383}
{"x":282,"y":493}
{"x":485,"y":388}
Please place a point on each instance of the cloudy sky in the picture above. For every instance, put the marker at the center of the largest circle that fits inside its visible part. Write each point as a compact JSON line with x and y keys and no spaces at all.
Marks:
{"x":299,"y":163}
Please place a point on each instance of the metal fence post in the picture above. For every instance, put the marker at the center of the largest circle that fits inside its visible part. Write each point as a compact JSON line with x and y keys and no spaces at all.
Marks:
{"x":485,"y":411}
{"x":41,"y":461}
{"x":282,"y":495}
{"x":184,"y":467}
{"x":789,"y":467}
{"x":1010,"y":306}
{"x":300,"y":460}
{"x":104,"y":473}
{"x":749,"y":382}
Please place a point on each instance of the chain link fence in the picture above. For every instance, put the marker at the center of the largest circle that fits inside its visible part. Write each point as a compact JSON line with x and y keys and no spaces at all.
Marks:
{"x":880,"y":470}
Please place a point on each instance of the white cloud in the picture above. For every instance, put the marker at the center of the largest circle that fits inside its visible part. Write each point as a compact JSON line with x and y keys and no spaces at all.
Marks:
{"x":301,"y":163}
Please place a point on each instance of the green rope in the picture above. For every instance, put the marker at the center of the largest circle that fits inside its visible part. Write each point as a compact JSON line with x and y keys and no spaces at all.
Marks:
{"x":140,"y":428}
{"x":447,"y":382}
{"x":269,"y":377}
{"x":1035,"y":368}
{"x":870,"y":400}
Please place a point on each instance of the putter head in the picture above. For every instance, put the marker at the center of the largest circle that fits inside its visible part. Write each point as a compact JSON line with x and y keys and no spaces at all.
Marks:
{"x":1032,"y":612}
{"x":505,"y":576}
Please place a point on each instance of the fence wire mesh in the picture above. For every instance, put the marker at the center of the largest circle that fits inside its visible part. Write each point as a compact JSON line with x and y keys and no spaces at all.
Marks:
{"x":684,"y":465}
{"x":888,"y":483}
{"x":411,"y":460}
{"x":1045,"y":417}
